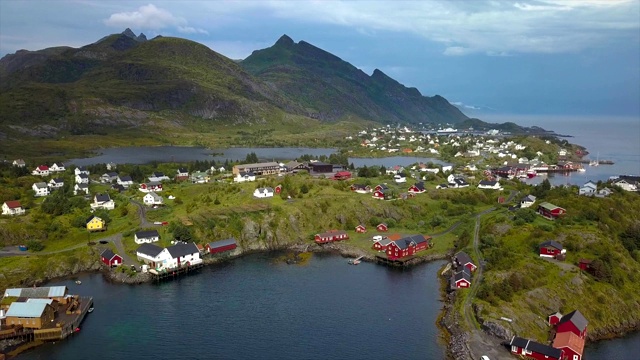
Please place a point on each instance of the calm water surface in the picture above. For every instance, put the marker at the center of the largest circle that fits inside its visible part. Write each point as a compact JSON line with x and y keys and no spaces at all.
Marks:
{"x":254,"y":308}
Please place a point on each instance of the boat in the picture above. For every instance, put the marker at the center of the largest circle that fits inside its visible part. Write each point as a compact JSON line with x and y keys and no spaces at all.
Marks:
{"x":78,"y":282}
{"x":356,"y":261}
{"x":90,"y":310}
{"x":531,"y":174}
{"x":595,"y":162}
{"x":77,"y":329}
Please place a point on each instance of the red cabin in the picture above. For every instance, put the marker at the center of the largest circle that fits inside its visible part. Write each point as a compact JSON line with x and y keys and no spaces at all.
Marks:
{"x":381,"y":245}
{"x":417,"y":188}
{"x":382,"y":227}
{"x":407,"y":246}
{"x":461,"y":278}
{"x":533,"y":350}
{"x":110,"y":259}
{"x":380,"y":187}
{"x":219,"y":246}
{"x":463,"y":259}
{"x":361,"y":229}
{"x":331,"y":236}
{"x":554,"y":318}
{"x":278,"y":189}
{"x":551,"y":249}
{"x":151,"y":186}
{"x":550,"y":211}
{"x":382,"y":194}
{"x":571,"y":345}
{"x":584,"y":264}
{"x":342,"y":175}
{"x":574,"y":322}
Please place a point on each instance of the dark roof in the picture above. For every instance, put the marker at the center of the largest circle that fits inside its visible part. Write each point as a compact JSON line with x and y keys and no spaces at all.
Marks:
{"x":182,"y":249}
{"x":406,"y":241}
{"x":147,"y":233}
{"x":125,"y":178}
{"x":149,"y":249}
{"x":460,"y":181}
{"x":535,"y":347}
{"x":221,"y":243}
{"x":444,"y":185}
{"x":248,"y":173}
{"x":462,"y":268}
{"x":107,"y":254}
{"x":529,"y":198}
{"x":462,"y":275}
{"x":519,"y":342}
{"x":419,"y":186}
{"x":383,"y":186}
{"x":83,"y":176}
{"x":182,"y":170}
{"x":552,"y":243}
{"x":58,"y":180}
{"x":318,"y":163}
{"x":488,"y":183}
{"x":90,"y":218}
{"x":82,"y":168}
{"x":158,"y":174}
{"x":576,"y":318}
{"x":117,"y":187}
{"x":463,"y":258}
{"x":102,"y":197}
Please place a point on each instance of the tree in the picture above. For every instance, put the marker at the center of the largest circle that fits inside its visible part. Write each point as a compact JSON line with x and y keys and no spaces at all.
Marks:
{"x":182,"y":233}
{"x":252,"y":158}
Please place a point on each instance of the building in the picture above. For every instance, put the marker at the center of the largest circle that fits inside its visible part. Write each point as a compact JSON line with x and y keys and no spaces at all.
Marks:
{"x":199,"y":177}
{"x":488,"y":184}
{"x":12,"y":208}
{"x":588,"y":189}
{"x":42,"y":170}
{"x":399,"y":178}
{"x":320,"y":167}
{"x":244,"y":177}
{"x":550,"y":211}
{"x":417,"y":188}
{"x":361,"y":189}
{"x":461,"y":278}
{"x":342,"y":175}
{"x":19,"y":163}
{"x":574,"y":322}
{"x":151,"y":198}
{"x":571,"y":345}
{"x":158,"y":176}
{"x":268,"y":168}
{"x":152,"y":255}
{"x":103,"y":201}
{"x":219,"y":246}
{"x":527,"y":201}
{"x":151,"y":186}
{"x":81,"y":189}
{"x":463,"y":259}
{"x":331,"y":236}
{"x":111,"y":166}
{"x":407,"y":246}
{"x":361,"y":229}
{"x":534,"y":350}
{"x":40,"y":188}
{"x":381,"y":187}
{"x":382,"y":227}
{"x":381,"y":244}
{"x":31,"y":314}
{"x":182,"y":174}
{"x":57,"y":293}
{"x":124,"y":180}
{"x":294,"y":166}
{"x":627,"y":182}
{"x":147,"y":236}
{"x":554,"y":318}
{"x":81,"y":170}
{"x":383,"y":194}
{"x":95,"y":223}
{"x":56,"y":183}
{"x":110,"y":259}
{"x":82,"y":178}
{"x":57,"y":167}
{"x":266,"y":192}
{"x":183,"y":254}
{"x":109,"y":177}
{"x":551,"y":249}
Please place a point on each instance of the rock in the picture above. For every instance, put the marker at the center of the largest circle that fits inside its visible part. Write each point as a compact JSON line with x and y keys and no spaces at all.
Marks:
{"x":496,"y":330}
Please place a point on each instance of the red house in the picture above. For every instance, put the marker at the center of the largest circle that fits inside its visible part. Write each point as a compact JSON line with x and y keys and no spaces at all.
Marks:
{"x":382,"y":227}
{"x":221,"y":246}
{"x":533,"y":350}
{"x":462,"y":259}
{"x":278,"y":189}
{"x":331,"y":236}
{"x":571,"y":345}
{"x":151,"y":186}
{"x":380,"y":187}
{"x":361,"y":229}
{"x":417,"y":188}
{"x":461,"y":278}
{"x":550,"y":211}
{"x":382,"y":194}
{"x":551,"y":249}
{"x":555,"y":318}
{"x":407,"y":246}
{"x":342,"y":175}
{"x":110,"y":259}
{"x":584,"y":264}
{"x":381,"y":245}
{"x":574,"y":322}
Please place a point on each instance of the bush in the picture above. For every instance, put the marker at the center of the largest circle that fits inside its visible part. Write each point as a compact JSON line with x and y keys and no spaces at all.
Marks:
{"x":34,"y":245}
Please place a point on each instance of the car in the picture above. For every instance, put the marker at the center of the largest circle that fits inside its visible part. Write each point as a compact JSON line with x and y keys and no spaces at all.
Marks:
{"x":377,"y":238}
{"x":104,"y":242}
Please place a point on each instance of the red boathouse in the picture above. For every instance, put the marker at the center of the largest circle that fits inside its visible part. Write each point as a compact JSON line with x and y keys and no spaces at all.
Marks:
{"x":574,"y":322}
{"x":110,"y":259}
{"x":551,"y":249}
{"x":331,"y":236}
{"x":407,"y":246}
{"x":221,"y":246}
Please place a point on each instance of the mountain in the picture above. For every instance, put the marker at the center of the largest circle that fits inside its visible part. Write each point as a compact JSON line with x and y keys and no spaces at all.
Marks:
{"x":330,"y":88}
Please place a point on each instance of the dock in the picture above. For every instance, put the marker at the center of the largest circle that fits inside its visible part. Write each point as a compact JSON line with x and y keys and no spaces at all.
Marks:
{"x":172,"y":274}
{"x":67,"y":321}
{"x":405,"y":261}
{"x":356,"y":261}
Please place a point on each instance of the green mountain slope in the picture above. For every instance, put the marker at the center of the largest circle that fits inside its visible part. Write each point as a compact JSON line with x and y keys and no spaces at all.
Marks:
{"x":330,"y":88}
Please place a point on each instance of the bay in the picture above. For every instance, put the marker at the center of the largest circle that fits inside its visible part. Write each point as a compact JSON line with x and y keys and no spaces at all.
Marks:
{"x":254,"y":307}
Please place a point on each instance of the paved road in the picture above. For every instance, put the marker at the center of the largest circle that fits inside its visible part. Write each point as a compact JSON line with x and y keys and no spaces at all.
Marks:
{"x":117,"y":241}
{"x":142,"y":214}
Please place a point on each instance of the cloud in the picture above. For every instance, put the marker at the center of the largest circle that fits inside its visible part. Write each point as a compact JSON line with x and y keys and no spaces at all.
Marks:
{"x":462,"y":105}
{"x":150,"y":17}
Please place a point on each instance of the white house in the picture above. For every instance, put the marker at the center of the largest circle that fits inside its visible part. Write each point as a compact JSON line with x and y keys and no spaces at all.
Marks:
{"x":12,"y":208}
{"x":182,"y":254}
{"x":56,"y":183}
{"x":527,"y":201}
{"x":492,"y":185}
{"x":81,"y":170}
{"x":399,"y":178}
{"x":57,"y":167}
{"x":41,"y":189}
{"x":109,"y":177}
{"x":81,"y":188}
{"x":263,"y":192}
{"x":158,"y":177}
{"x":19,"y":163}
{"x":111,"y":166}
{"x":588,"y":189}
{"x":152,"y":198}
{"x":42,"y":170}
{"x":244,"y":176}
{"x":182,"y":174}
{"x":125,"y":181}
{"x":103,"y":201}
{"x":604,"y":192}
{"x":147,"y":236}
{"x":447,"y":168}
{"x":152,"y":254}
{"x":82,"y":178}
{"x":626,"y":184}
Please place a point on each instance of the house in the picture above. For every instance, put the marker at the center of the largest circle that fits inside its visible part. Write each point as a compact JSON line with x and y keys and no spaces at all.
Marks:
{"x":30,"y":314}
{"x":527,"y":201}
{"x":158,"y":176}
{"x":103,"y":201}
{"x":361,"y":189}
{"x":110,"y":259}
{"x":109,"y":177}
{"x":381,"y":187}
{"x":82,"y":178}
{"x":627,"y":183}
{"x":150,"y":186}
{"x":320,"y":167}
{"x":461,"y":278}
{"x":361,"y":229}
{"x":153,"y":255}
{"x":57,"y":167}
{"x":183,"y":254}
{"x":534,"y":350}
{"x":456,"y":181}
{"x":554,"y":318}
{"x":584,"y":264}
{"x":463,"y":259}
{"x":604,"y":192}
{"x":551,"y":249}
{"x":574,"y":322}
{"x":151,"y":198}
{"x":182,"y":174}
{"x":263,"y":192}
{"x":488,"y":184}
{"x":550,"y":211}
{"x":382,"y":227}
{"x":342,"y":175}
{"x":399,"y":178}
{"x":267,"y":168}
{"x":562,"y":152}
{"x":219,"y":246}
{"x":95,"y":223}
{"x":331,"y":236}
{"x":117,"y":187}
{"x":12,"y":207}
{"x":407,"y":246}
{"x":199,"y":177}
{"x":146,"y":236}
{"x":381,"y":244}
{"x":382,"y":194}
{"x":19,"y":163}
{"x":56,"y":183}
{"x":81,"y":188}
{"x":571,"y":345}
{"x":588,"y":189}
{"x":111,"y":166}
{"x":124,"y":180}
{"x":278,"y":189}
{"x":40,"y":188}
{"x":417,"y":188}
{"x":294,"y":166}
{"x":57,"y":293}
{"x":244,"y":176}
{"x":81,"y":170}
{"x":42,"y":170}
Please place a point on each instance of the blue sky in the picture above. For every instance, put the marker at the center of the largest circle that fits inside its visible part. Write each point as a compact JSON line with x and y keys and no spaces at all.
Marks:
{"x":566,"y":57}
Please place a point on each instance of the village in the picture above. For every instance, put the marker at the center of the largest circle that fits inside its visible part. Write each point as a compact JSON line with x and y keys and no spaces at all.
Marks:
{"x":164,"y":254}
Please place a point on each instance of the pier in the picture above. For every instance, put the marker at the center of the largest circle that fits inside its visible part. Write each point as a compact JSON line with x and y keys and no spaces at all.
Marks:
{"x":172,"y":274}
{"x":404,"y":262}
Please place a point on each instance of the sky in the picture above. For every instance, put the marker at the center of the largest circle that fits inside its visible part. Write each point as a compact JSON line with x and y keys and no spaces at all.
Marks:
{"x":556,"y":57}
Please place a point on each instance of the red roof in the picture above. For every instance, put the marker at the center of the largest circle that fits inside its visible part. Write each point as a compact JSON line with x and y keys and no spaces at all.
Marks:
{"x":43,"y":167}
{"x":14,"y":204}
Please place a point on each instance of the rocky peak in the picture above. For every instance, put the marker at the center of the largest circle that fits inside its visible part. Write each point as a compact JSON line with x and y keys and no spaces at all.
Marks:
{"x":129,"y":33}
{"x":285,"y":40}
{"x":142,"y":37}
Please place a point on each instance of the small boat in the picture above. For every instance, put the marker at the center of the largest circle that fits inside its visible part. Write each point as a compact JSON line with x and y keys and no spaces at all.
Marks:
{"x":78,"y":282}
{"x":531,"y":174}
{"x":77,"y":329}
{"x":90,"y":310}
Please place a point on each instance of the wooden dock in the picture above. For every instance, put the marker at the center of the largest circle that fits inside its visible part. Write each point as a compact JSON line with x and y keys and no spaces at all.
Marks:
{"x":172,"y":274}
{"x":404,"y":262}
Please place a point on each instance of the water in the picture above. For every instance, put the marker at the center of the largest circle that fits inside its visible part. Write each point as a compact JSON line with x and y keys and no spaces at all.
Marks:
{"x":391,"y":161}
{"x":256,"y":308}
